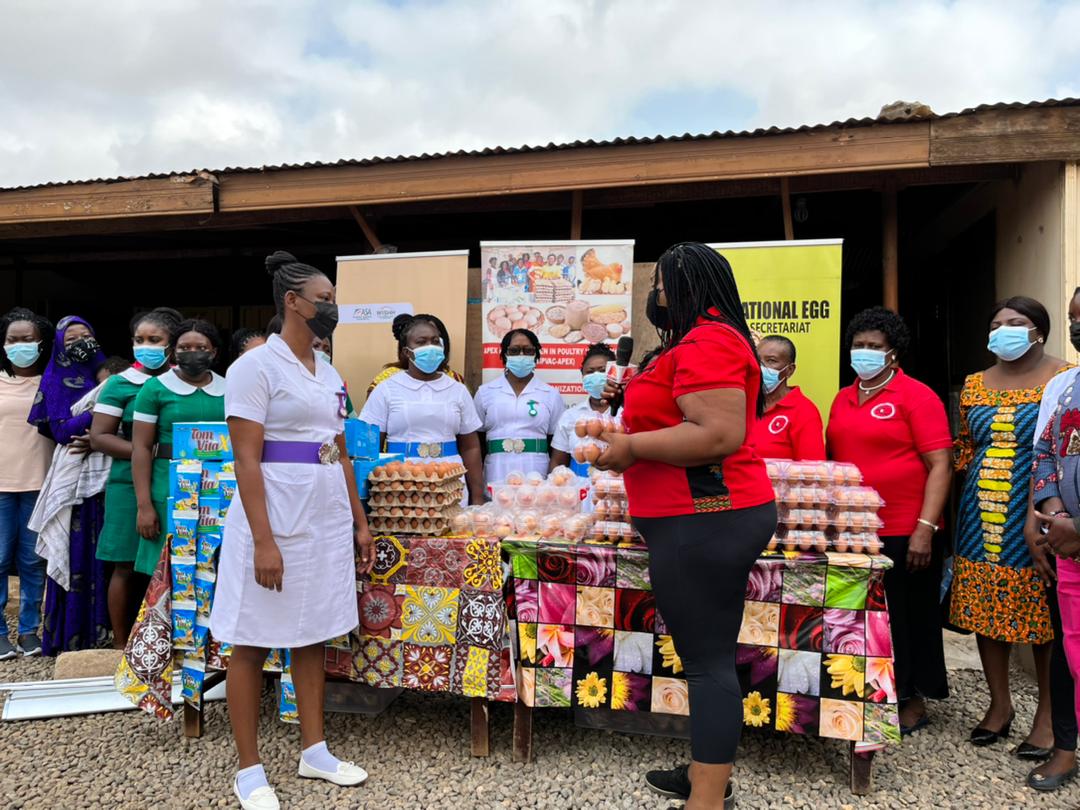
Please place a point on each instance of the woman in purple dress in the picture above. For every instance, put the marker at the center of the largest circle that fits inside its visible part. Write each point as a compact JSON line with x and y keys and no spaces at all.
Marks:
{"x":76,"y":618}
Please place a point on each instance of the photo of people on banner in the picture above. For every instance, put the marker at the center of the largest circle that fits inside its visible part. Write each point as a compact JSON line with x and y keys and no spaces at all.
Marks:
{"x":571,"y":295}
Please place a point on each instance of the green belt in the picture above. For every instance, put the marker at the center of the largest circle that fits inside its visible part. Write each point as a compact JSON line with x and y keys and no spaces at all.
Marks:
{"x":517,"y":446}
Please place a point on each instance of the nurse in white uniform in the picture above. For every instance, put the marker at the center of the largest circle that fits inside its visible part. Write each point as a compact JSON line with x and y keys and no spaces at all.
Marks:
{"x":425,"y":413}
{"x":287,"y":574}
{"x":519,"y":411}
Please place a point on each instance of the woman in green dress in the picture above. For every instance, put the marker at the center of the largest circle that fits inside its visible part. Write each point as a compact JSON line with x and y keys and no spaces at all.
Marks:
{"x":110,"y":433}
{"x":191,"y":392}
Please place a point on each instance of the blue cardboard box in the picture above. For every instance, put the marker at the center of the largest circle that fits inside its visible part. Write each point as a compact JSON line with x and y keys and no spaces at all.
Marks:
{"x":206,"y":441}
{"x":362,"y":468}
{"x":362,"y":439}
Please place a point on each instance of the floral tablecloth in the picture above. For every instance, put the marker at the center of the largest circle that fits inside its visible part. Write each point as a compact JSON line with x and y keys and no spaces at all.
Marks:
{"x":814,"y":653}
{"x":432,"y":618}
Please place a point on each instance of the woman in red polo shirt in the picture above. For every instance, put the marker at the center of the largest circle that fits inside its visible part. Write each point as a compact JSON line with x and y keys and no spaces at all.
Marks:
{"x":698,"y":494}
{"x":791,"y":427}
{"x":895,"y":429}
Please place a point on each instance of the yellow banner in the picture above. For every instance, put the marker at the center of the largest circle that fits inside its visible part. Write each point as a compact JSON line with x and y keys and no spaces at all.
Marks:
{"x":793,"y":289}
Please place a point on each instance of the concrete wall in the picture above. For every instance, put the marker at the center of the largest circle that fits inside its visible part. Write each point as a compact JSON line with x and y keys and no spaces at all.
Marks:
{"x":1035,"y":225}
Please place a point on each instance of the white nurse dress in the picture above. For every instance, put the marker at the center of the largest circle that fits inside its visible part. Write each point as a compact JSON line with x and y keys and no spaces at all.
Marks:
{"x":534,"y":414}
{"x":308,"y":506}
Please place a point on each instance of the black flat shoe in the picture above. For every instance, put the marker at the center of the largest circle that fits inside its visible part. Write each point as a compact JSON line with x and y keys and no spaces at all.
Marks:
{"x":729,"y":801}
{"x":675,"y":784}
{"x":918,"y":725}
{"x":1032,"y":753}
{"x":983,"y":736}
{"x":1036,"y":781}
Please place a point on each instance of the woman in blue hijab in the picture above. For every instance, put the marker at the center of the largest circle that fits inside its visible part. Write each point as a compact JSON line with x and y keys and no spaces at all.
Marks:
{"x":76,"y":618}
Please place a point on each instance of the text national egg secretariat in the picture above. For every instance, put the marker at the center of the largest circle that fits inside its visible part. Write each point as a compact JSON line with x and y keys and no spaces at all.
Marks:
{"x":806,"y":309}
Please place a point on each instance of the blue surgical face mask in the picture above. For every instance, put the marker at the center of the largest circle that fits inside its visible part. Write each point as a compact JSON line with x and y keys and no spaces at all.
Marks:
{"x":521,"y":366}
{"x":1010,"y":342}
{"x":23,"y":355}
{"x":594,"y":384}
{"x":323,"y":356}
{"x":152,"y":357}
{"x":770,"y":378}
{"x":428,"y":358}
{"x":868,"y":363}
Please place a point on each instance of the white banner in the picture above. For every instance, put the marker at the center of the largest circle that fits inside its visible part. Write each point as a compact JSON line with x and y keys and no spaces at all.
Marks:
{"x":372,"y":313}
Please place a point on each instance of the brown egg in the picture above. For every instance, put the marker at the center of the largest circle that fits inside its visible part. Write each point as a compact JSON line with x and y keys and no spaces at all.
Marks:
{"x":579,"y":454}
{"x":580,"y":428}
{"x":591,"y":453}
{"x":594,"y":428}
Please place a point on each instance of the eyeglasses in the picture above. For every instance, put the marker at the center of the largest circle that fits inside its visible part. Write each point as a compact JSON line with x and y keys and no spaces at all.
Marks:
{"x":518,"y":351}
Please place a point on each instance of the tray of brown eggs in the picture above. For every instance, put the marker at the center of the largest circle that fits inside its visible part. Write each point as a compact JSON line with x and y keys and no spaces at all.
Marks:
{"x":433,"y":526}
{"x":413,"y":498}
{"x":411,"y":512}
{"x":612,"y":531}
{"x":609,"y":509}
{"x":418,"y":472}
{"x":608,"y":485}
{"x":784,"y":472}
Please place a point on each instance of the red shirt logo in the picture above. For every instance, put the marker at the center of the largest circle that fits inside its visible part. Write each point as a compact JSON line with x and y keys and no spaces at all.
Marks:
{"x":778,"y":425}
{"x":885,"y":410}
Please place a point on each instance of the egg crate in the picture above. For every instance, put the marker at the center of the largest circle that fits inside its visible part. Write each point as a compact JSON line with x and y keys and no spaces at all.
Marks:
{"x":388,"y":472}
{"x":420,"y":500}
{"x":452,"y":486}
{"x":415,"y":511}
{"x":403,"y":525}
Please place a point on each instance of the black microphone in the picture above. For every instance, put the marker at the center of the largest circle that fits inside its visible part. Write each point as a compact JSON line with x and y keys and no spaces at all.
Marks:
{"x":623,"y":353}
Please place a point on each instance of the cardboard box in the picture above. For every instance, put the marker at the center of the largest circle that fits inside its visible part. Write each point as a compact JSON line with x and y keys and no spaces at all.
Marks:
{"x":362,"y":469}
{"x":362,"y":439}
{"x":206,"y":441}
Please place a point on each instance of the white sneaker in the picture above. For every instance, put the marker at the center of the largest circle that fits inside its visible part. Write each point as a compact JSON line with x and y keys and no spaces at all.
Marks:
{"x":346,"y":775}
{"x":262,"y":798}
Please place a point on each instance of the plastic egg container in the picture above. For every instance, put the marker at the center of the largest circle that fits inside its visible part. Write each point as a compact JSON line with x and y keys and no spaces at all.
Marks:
{"x":820,"y":473}
{"x":612,"y":531}
{"x":857,"y":542}
{"x":597,"y":425}
{"x":608,"y":509}
{"x":588,"y":450}
{"x":608,"y":486}
{"x":856,"y":499}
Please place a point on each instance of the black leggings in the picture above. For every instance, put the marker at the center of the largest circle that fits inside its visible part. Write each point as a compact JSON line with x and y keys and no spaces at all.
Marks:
{"x":699,"y":565}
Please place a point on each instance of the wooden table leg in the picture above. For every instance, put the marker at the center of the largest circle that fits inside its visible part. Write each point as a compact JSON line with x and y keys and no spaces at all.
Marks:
{"x":862,"y":763}
{"x":522,"y":732}
{"x":193,"y":721}
{"x":479,"y":726}
{"x":193,"y":718}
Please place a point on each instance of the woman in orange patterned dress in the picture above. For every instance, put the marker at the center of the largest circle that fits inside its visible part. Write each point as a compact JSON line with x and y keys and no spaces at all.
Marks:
{"x":997,"y":592}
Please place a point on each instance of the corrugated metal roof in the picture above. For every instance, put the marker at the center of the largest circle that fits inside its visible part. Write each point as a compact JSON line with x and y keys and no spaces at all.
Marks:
{"x":557,"y":147}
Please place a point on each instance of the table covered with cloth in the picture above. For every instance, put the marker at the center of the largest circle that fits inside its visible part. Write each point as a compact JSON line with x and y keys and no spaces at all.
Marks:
{"x":432,"y":618}
{"x":814,"y":654}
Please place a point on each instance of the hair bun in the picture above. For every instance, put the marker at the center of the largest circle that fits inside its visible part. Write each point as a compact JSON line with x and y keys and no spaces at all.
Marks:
{"x":401,"y":323}
{"x":277,"y":259}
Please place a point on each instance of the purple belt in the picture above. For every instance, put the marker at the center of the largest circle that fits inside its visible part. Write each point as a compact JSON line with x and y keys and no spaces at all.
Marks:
{"x":300,"y":453}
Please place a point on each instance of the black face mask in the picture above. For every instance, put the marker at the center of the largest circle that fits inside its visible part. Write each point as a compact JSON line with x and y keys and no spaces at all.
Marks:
{"x":83,"y":350}
{"x":657,"y":315}
{"x":325,"y":320}
{"x":1074,"y":335}
{"x":194,"y":364}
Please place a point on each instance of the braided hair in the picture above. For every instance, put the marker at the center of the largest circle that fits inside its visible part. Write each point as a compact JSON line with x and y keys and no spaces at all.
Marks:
{"x":43,"y":325}
{"x":241,"y":338}
{"x":289,"y":275}
{"x":164,"y":317}
{"x":404,"y":323}
{"x":699,"y":283}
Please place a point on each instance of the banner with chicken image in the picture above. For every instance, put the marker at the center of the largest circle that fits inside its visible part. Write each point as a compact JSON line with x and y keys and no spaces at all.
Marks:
{"x":570,"y":294}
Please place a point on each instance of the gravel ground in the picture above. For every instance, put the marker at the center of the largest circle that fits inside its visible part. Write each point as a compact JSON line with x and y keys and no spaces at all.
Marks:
{"x":417,"y":754}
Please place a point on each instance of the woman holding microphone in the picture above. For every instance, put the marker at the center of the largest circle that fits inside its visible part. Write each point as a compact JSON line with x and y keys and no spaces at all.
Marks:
{"x":699,"y":495}
{"x":287,"y":575}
